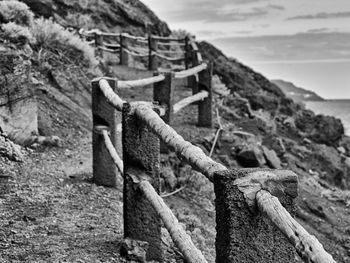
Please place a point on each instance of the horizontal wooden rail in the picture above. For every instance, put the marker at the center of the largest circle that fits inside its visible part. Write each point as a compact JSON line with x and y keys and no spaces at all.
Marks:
{"x":116,"y":159}
{"x":135,"y":54}
{"x":110,"y":95}
{"x":105,"y":34}
{"x":139,"y":82}
{"x":137,"y":38}
{"x":170,"y":52}
{"x":181,"y":239}
{"x":189,"y":100}
{"x":191,"y":71}
{"x":307,"y":246}
{"x":110,"y":50}
{"x":172,"y":44}
{"x":168,"y":38}
{"x":192,"y":154}
{"x":111,"y":45}
{"x":167,"y":58}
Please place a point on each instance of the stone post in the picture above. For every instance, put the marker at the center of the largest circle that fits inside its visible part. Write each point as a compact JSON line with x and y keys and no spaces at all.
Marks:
{"x":243,"y":234}
{"x":205,"y":106}
{"x":152,"y":58}
{"x":141,"y":158}
{"x":104,"y":171}
{"x":124,"y":56}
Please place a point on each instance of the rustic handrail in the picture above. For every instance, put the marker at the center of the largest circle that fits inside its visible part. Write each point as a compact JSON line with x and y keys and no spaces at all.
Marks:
{"x":167,"y":58}
{"x":307,"y":246}
{"x":110,"y":95}
{"x":135,"y":54}
{"x":111,"y":50}
{"x":116,"y":159}
{"x":189,"y":100}
{"x":189,"y":72}
{"x":193,"y":154}
{"x":180,"y":237}
{"x":140,"y":82}
{"x":168,"y":38}
{"x":173,"y":44}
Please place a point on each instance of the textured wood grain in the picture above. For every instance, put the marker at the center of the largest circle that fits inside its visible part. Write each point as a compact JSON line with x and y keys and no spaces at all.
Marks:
{"x":306,"y":245}
{"x":112,"y":151}
{"x":190,"y":72}
{"x":181,"y":239}
{"x":192,"y":154}
{"x":110,"y":95}
{"x":189,"y":100}
{"x":140,"y":82}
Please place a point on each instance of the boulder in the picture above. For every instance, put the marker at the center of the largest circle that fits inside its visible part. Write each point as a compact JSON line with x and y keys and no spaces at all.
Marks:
{"x":319,"y":128}
{"x":251,"y":156}
{"x":10,"y":150}
{"x":271,"y":157}
{"x":134,"y":250}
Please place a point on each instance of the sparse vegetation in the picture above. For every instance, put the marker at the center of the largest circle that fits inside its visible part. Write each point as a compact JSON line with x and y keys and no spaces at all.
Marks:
{"x":15,"y":11}
{"x":17,"y":33}
{"x":51,"y":35}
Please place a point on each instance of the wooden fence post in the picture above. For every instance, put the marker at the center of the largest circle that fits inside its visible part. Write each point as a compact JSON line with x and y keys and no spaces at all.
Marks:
{"x":152,"y":58}
{"x":104,"y":171}
{"x":205,"y":106}
{"x":98,"y":43}
{"x":141,"y":156}
{"x":163,"y":94}
{"x":124,"y":56}
{"x":243,"y":233}
{"x":187,"y":51}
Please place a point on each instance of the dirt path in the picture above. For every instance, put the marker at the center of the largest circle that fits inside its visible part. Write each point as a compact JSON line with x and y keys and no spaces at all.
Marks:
{"x":54,"y":214}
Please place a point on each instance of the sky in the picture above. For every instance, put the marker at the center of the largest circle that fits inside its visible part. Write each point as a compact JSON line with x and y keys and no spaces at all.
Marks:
{"x":306,"y":42}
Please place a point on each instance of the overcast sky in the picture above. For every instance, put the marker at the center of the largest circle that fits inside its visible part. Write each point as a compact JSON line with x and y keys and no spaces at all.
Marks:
{"x":304,"y":41}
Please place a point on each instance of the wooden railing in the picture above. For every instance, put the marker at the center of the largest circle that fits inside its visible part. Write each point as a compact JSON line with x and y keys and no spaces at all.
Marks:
{"x":155,"y":48}
{"x":245,"y":198}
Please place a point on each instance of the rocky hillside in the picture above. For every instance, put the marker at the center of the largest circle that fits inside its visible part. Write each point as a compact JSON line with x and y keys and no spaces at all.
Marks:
{"x":296,"y":93}
{"x":262,"y":128}
{"x":111,"y":16}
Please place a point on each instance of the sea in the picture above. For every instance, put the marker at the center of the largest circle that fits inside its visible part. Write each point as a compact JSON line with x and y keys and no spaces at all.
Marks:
{"x":337,"y":108}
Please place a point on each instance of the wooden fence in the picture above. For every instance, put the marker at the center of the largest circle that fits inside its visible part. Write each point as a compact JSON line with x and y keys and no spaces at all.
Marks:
{"x":247,"y":200}
{"x":155,"y":48}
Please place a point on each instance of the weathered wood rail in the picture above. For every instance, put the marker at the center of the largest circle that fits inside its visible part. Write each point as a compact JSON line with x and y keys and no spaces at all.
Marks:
{"x":154,"y":47}
{"x":247,"y":200}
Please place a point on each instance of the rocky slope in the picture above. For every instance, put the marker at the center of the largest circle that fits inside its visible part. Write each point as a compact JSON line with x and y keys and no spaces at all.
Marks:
{"x":262,"y":128}
{"x":111,"y":16}
{"x":296,"y":93}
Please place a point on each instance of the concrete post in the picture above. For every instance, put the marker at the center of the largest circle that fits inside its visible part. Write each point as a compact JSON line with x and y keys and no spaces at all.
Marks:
{"x":141,"y":156}
{"x":124,"y":56}
{"x":205,"y":106}
{"x":152,"y":58}
{"x":243,"y":234}
{"x":104,"y":171}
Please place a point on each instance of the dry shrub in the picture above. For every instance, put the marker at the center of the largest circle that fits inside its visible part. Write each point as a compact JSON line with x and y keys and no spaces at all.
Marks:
{"x":17,"y":12}
{"x":17,"y":33}
{"x":51,"y":35}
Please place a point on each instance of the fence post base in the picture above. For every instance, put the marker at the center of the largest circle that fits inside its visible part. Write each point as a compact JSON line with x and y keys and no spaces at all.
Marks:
{"x":104,"y":170}
{"x":243,"y":234}
{"x":141,"y":158}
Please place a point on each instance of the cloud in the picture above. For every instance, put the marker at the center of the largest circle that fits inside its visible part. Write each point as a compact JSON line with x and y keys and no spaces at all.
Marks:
{"x":222,"y":11}
{"x":303,"y":46}
{"x":322,"y":15}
